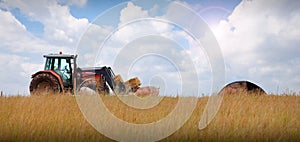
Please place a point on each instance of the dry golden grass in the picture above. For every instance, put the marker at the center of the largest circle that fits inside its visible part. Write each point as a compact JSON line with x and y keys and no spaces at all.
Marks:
{"x":240,"y":118}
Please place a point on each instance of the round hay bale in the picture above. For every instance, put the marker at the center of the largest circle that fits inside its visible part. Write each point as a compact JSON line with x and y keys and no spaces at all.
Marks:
{"x":240,"y":87}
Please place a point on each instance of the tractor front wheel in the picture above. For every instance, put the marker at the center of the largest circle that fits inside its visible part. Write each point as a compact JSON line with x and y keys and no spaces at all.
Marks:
{"x":44,"y":83}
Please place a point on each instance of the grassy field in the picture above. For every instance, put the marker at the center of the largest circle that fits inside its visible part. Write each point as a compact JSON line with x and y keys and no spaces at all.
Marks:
{"x":240,"y":118}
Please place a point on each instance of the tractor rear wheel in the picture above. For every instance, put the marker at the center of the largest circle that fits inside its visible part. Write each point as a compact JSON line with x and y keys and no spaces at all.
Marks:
{"x":44,"y":83}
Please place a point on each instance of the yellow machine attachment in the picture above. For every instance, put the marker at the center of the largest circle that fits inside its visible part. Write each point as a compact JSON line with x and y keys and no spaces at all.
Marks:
{"x":131,"y":85}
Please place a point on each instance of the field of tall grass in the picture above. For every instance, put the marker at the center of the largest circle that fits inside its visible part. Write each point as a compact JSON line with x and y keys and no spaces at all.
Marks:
{"x":240,"y":118}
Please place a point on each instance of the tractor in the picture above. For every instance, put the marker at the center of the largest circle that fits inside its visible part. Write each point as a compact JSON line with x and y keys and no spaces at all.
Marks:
{"x":61,"y":75}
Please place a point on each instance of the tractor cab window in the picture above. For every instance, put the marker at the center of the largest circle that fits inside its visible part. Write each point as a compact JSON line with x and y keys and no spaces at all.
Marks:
{"x":56,"y":65}
{"x":62,"y":67}
{"x":48,"y":63}
{"x":70,"y":64}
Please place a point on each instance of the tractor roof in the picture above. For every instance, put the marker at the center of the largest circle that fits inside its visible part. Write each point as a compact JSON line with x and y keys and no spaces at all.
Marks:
{"x":60,"y":56}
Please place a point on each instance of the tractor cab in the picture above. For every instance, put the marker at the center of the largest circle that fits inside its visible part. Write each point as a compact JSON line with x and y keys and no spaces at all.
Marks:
{"x":61,"y":64}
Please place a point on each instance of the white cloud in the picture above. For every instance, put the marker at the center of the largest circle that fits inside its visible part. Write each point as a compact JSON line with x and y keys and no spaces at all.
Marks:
{"x":16,"y":69}
{"x":60,"y":27}
{"x":15,"y":38}
{"x":89,"y":46}
{"x":135,"y":39}
{"x":15,"y":73}
{"x":260,"y":43}
{"x":21,"y":52}
{"x":132,"y":12}
{"x":73,"y":2}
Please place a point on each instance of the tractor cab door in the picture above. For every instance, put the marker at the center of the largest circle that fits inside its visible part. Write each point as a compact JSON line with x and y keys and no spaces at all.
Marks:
{"x":63,"y":67}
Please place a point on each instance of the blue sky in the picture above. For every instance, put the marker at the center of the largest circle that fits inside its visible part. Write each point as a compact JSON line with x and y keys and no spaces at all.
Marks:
{"x":216,"y":10}
{"x":258,"y":39}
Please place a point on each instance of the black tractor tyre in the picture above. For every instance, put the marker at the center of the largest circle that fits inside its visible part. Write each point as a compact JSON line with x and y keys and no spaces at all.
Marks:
{"x":44,"y":83}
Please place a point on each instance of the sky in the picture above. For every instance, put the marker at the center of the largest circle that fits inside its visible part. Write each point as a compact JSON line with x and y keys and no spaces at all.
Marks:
{"x":258,"y":40}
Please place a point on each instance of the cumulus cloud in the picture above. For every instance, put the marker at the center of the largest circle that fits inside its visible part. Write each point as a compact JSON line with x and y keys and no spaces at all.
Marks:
{"x":132,"y":12}
{"x":89,"y":45}
{"x":260,"y":43}
{"x":138,"y":37}
{"x":21,"y":51}
{"x":60,"y":27}
{"x":20,"y":55}
{"x":73,"y":2}
{"x":15,"y":73}
{"x":15,"y":37}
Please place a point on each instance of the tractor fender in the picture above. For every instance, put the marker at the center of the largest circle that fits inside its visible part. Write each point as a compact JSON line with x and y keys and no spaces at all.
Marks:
{"x":52,"y":73}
